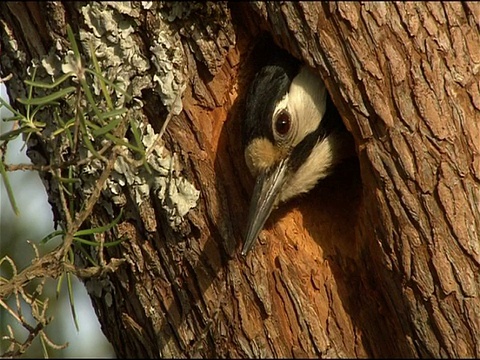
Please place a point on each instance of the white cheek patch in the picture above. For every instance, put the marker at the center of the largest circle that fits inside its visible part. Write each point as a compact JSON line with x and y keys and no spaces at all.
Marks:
{"x":262,"y":154}
{"x":317,"y":166}
{"x":306,"y":102}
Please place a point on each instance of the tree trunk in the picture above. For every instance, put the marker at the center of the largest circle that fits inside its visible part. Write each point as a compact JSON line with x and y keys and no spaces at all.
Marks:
{"x":384,"y":264}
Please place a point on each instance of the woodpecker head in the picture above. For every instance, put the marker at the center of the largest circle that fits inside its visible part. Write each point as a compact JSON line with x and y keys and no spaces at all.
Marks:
{"x":289,"y":136}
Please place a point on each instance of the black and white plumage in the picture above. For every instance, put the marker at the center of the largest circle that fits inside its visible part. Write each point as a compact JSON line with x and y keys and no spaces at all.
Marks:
{"x":291,"y":137}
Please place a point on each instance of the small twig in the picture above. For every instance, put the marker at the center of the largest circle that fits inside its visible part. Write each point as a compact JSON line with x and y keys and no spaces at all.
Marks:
{"x":22,"y":347}
{"x":163,"y":129}
{"x":73,"y":227}
{"x":63,"y":200}
{"x":63,"y":165}
{"x":10,"y":310}
{"x":49,"y":266}
{"x":6,"y":78}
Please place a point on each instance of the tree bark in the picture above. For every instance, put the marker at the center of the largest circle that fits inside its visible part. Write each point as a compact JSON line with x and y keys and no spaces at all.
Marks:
{"x":384,"y":264}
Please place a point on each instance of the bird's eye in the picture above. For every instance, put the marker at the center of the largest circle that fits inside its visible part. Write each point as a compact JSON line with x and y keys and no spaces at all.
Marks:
{"x":283,"y":123}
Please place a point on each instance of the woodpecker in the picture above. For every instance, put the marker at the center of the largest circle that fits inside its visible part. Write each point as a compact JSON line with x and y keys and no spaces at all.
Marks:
{"x":292,"y":137}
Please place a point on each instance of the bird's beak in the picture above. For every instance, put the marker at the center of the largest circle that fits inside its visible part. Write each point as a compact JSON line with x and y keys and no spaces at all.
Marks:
{"x":264,"y":200}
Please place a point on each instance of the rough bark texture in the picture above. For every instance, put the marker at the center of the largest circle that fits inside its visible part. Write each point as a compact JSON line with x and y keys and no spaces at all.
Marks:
{"x":380,"y":260}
